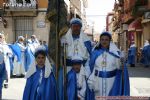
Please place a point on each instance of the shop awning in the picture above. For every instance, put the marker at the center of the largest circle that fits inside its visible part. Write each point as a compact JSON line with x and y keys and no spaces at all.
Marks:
{"x":145,"y":21}
{"x":135,"y":25}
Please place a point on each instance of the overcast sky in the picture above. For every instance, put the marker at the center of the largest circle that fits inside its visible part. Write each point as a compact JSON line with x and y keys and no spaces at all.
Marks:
{"x":96,"y":11}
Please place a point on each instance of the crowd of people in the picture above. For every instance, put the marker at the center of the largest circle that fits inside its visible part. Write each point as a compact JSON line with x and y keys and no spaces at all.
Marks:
{"x":141,"y":57}
{"x":16,"y":58}
{"x":92,"y":71}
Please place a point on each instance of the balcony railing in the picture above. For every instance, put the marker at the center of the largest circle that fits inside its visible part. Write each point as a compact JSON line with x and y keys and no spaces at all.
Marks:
{"x":20,"y":6}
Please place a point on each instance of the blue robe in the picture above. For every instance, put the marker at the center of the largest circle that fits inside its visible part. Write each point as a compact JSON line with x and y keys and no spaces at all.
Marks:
{"x":47,"y":90}
{"x":46,"y":47}
{"x":2,"y":75}
{"x":16,"y":51}
{"x":29,"y":58}
{"x":131,"y":55}
{"x":146,"y":55}
{"x":72,"y":85}
{"x":121,"y":84}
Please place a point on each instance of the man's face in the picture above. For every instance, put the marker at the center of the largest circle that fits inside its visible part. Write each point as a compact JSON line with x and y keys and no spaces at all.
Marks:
{"x":40,"y":59}
{"x":75,"y":29}
{"x":105,"y":41}
{"x":77,"y":67}
{"x":21,"y":40}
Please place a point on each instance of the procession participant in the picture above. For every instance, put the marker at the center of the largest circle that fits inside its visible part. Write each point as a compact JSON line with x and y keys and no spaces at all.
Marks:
{"x":19,"y":66}
{"x":146,"y":54}
{"x":33,"y":43}
{"x":76,"y":40}
{"x":41,"y":83}
{"x":2,"y":72}
{"x":106,"y":71}
{"x":7,"y":54}
{"x":132,"y":54}
{"x":76,"y":80}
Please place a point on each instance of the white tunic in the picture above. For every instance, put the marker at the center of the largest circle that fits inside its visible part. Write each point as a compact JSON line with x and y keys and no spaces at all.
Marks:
{"x":105,"y":62}
{"x":19,"y":67}
{"x":4,"y":48}
{"x":33,"y":45}
{"x":77,"y":45}
{"x":81,"y":83}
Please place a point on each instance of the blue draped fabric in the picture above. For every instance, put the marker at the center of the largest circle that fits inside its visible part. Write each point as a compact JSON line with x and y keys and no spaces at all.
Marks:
{"x":60,"y":84}
{"x":11,"y":59}
{"x":88,"y":45}
{"x":46,"y":47}
{"x":121,"y":81}
{"x":126,"y":82}
{"x":2,"y":75}
{"x":93,"y":57}
{"x":29,"y":58}
{"x":120,"y":86}
{"x":106,"y":74}
{"x":90,"y":95}
{"x":16,"y":50}
{"x":117,"y":86}
{"x":146,"y":55}
{"x":72,"y":85}
{"x":131,"y":55}
{"x":47,"y":90}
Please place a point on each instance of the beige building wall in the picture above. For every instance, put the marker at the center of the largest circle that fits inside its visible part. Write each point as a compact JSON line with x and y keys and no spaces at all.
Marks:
{"x":41,"y":33}
{"x":115,"y":37}
{"x":146,"y":31}
{"x":9,"y":34}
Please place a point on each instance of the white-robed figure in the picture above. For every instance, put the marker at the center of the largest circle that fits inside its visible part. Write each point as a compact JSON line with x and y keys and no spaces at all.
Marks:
{"x":19,"y":66}
{"x":41,"y":83}
{"x":106,"y":71}
{"x":33,"y":43}
{"x":76,"y":40}
{"x":132,"y":54}
{"x":2,"y":69}
{"x":4,"y":48}
{"x":146,"y":54}
{"x":76,"y":80}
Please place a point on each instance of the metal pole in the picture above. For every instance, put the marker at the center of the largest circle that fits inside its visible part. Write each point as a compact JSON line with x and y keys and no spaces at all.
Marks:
{"x":57,"y":32}
{"x":64,"y":73}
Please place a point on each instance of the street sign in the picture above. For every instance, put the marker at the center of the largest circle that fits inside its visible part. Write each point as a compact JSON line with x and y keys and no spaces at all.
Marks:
{"x":41,"y":24}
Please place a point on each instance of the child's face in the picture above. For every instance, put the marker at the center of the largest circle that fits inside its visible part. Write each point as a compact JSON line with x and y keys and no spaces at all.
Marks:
{"x":77,"y":67}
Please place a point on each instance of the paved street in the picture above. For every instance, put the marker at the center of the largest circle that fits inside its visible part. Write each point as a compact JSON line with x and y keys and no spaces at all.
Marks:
{"x":15,"y":89}
{"x":139,"y":82}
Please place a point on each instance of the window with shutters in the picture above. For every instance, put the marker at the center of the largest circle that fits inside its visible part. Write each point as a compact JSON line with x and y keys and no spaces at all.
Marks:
{"x":23,"y":26}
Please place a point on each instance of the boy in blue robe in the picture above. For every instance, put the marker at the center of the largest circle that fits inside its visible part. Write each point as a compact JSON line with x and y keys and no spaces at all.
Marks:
{"x":41,"y":83}
{"x":76,"y":80}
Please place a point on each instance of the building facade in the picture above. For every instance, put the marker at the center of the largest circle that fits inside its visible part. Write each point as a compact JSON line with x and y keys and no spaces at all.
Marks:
{"x":25,"y":17}
{"x":131,"y":22}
